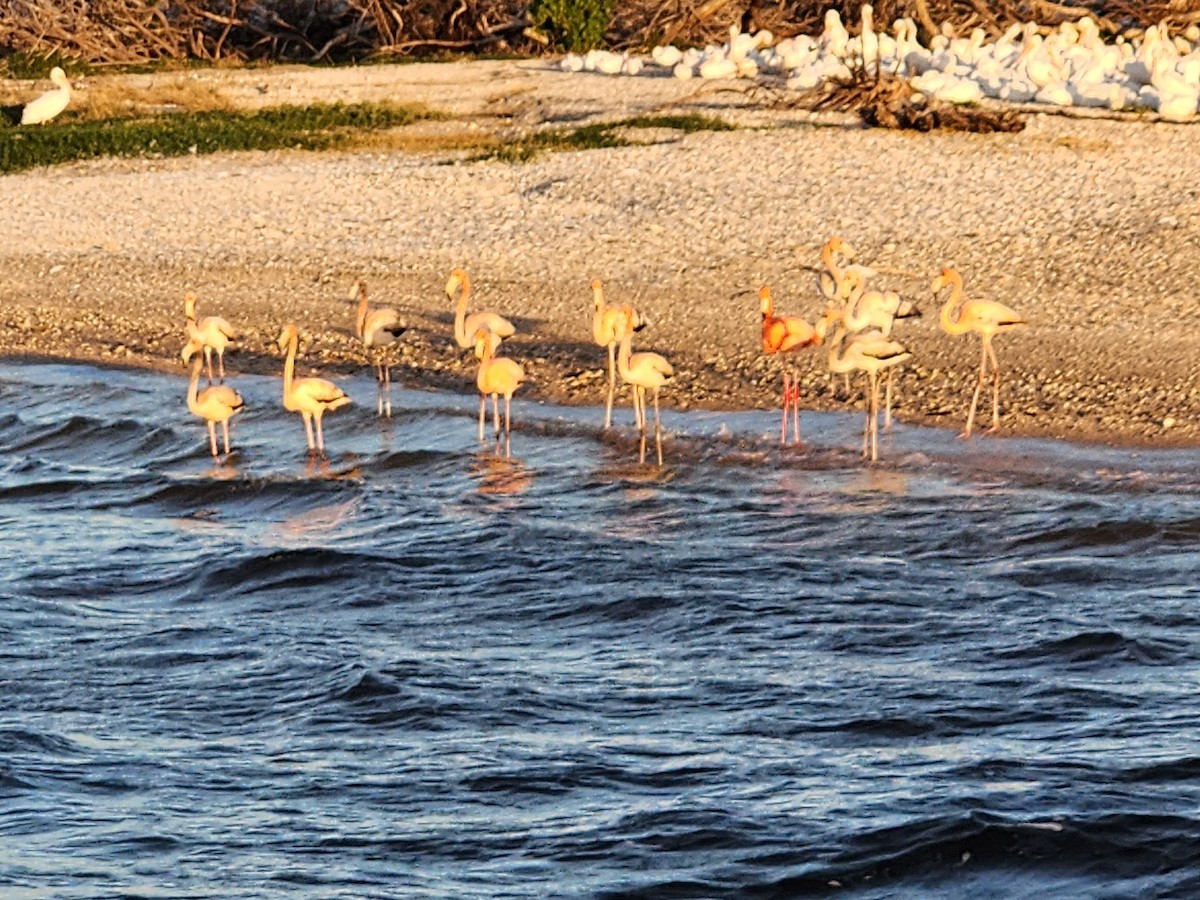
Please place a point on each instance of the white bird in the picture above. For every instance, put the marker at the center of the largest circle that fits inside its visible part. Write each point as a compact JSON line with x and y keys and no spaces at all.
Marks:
{"x":497,"y":375}
{"x":868,"y":352}
{"x":377,"y":330}
{"x":465,"y":326}
{"x":213,"y":404}
{"x":644,"y":371}
{"x":50,"y":104}
{"x":311,"y":397}
{"x":608,"y":324}
{"x":207,"y":334}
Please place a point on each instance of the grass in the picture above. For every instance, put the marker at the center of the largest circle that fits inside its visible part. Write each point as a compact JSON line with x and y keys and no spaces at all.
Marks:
{"x":102,"y":131}
{"x":598,"y":136}
{"x":317,"y":127}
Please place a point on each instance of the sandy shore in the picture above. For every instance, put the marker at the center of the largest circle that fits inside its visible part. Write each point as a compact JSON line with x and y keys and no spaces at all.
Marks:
{"x":1088,"y":227}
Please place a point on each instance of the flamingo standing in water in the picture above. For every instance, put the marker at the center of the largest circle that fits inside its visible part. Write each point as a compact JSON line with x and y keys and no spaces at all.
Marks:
{"x":786,"y":334}
{"x":465,"y":327}
{"x":497,"y":375}
{"x":644,"y":371}
{"x":207,"y":334}
{"x":985,"y":317}
{"x":214,"y":404}
{"x":879,"y":310}
{"x":378,"y":330}
{"x":869,"y":352}
{"x":608,"y":323}
{"x":311,"y":397}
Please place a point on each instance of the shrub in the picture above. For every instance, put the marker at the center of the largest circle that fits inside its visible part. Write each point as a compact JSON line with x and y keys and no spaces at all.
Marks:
{"x":572,"y":24}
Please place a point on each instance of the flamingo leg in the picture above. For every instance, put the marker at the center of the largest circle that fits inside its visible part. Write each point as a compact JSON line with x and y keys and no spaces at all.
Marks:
{"x":874,"y":416}
{"x":208,"y":363}
{"x":496,"y":414}
{"x":657,"y":428}
{"x":978,"y":386}
{"x":786,"y":396}
{"x":507,"y":420}
{"x":387,"y":389}
{"x":612,"y":384}
{"x":308,"y":430}
{"x":796,"y":406}
{"x":212,"y":437}
{"x":225,"y":432}
{"x":221,"y":364}
{"x":482,"y":414}
{"x":887,"y":408}
{"x":320,"y":436}
{"x":995,"y":387}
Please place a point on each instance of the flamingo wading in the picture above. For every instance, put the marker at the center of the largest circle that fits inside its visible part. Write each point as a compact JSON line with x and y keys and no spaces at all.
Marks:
{"x":377,"y":330}
{"x":786,"y":334}
{"x":497,"y":375}
{"x":644,"y":371}
{"x":311,"y":397}
{"x":608,"y":323}
{"x":214,"y":404}
{"x":465,"y":327}
{"x":207,"y":334}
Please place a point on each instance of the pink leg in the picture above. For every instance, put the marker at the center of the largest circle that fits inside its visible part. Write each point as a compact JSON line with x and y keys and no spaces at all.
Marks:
{"x":308,"y":431}
{"x":212,"y":438}
{"x":482,"y":414}
{"x":786,"y":399}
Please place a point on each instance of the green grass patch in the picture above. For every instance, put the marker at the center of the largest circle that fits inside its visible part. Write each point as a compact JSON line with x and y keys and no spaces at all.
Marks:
{"x":317,"y":127}
{"x":598,"y":136}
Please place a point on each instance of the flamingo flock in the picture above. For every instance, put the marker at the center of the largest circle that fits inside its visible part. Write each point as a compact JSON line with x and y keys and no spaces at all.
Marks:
{"x":856,"y":324}
{"x":1070,"y":65}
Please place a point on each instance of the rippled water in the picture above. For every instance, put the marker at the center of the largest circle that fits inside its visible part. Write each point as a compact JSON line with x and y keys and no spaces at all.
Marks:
{"x":427,"y":670}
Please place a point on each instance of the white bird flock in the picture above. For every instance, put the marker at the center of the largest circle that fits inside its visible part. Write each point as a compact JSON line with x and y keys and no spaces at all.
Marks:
{"x":1067,"y":66}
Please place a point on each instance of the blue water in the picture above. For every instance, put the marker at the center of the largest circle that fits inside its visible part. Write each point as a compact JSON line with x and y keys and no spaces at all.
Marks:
{"x":427,"y":669}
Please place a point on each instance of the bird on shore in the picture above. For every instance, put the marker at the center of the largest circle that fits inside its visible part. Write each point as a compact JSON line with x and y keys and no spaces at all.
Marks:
{"x":311,"y":397}
{"x":44,"y":108}
{"x":607,"y":323}
{"x":377,"y":330}
{"x":207,"y":334}
{"x":498,"y":375}
{"x":869,"y":352}
{"x":217,"y":403}
{"x":644,"y":371}
{"x":786,"y":334}
{"x":987,"y":318}
{"x":466,"y":326}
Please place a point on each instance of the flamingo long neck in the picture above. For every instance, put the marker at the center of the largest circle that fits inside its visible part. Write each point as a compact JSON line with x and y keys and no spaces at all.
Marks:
{"x":360,"y":322}
{"x":289,"y":365}
{"x":623,"y":355}
{"x":460,"y":311}
{"x":189,"y":310}
{"x":851,"y":317}
{"x":193,"y":386}
{"x":837,"y":353}
{"x":948,"y":317}
{"x":598,"y":318}
{"x":831,"y":264}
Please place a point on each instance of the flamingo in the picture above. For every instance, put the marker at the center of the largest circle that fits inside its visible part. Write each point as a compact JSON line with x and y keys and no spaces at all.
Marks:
{"x":784,"y":334}
{"x":207,"y":334}
{"x":875,"y":309}
{"x":985,"y":317}
{"x":44,"y":108}
{"x":831,"y":280}
{"x":311,"y":397}
{"x":606,"y":322}
{"x":214,"y":404}
{"x":466,"y":326}
{"x":869,"y":352}
{"x":497,"y":375}
{"x":377,"y":330}
{"x":645,"y":371}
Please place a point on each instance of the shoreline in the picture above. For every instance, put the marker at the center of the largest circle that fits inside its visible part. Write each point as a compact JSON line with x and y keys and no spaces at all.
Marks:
{"x":1078,"y":223}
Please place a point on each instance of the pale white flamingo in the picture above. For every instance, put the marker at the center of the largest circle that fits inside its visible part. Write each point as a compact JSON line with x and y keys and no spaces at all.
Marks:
{"x":214,"y":404}
{"x":377,"y":330}
{"x":606,"y":322}
{"x":497,"y":375}
{"x":985,"y":317}
{"x":465,"y":326}
{"x":311,"y":397}
{"x":207,"y":334}
{"x":868,"y":352}
{"x":44,"y":108}
{"x":875,"y":309}
{"x":786,"y":334}
{"x":644,"y":371}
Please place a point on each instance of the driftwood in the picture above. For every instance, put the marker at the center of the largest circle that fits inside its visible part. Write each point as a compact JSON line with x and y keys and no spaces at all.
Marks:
{"x":127,"y":31}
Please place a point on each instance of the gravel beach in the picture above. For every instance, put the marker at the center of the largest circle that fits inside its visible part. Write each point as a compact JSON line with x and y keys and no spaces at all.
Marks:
{"x":1087,"y":226}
